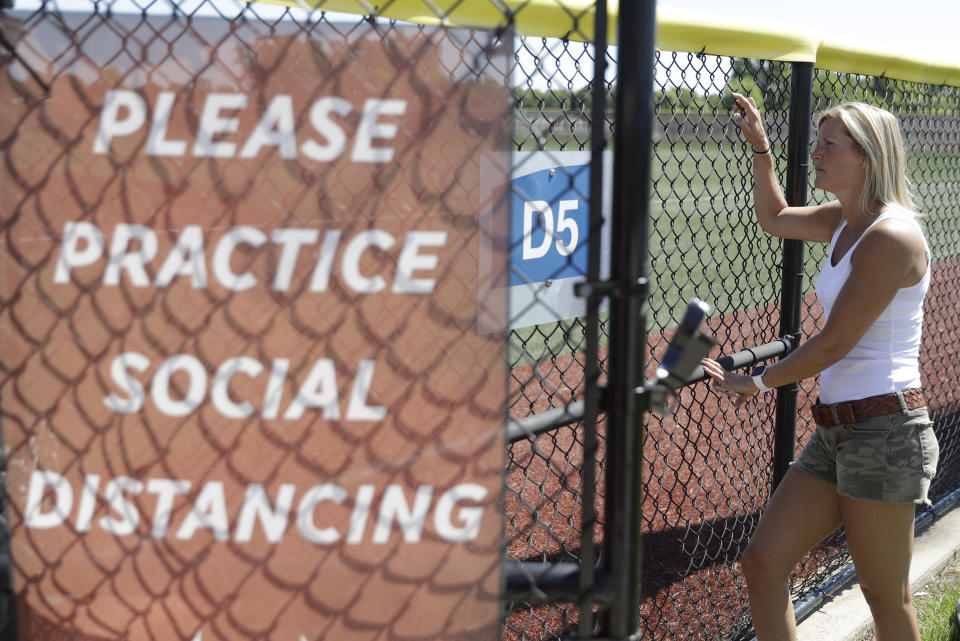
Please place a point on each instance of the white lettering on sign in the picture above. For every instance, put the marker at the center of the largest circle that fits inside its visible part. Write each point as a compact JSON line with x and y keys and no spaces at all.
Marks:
{"x":319,"y":390}
{"x":456,"y":514}
{"x":125,"y":112}
{"x":538,"y":216}
{"x":133,"y":247}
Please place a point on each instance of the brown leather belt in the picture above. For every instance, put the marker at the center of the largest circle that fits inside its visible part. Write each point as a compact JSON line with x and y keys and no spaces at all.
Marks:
{"x":853,"y":411}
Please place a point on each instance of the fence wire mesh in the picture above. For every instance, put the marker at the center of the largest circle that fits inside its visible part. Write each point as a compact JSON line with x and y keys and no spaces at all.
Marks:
{"x":552,"y":140}
{"x":707,"y":471}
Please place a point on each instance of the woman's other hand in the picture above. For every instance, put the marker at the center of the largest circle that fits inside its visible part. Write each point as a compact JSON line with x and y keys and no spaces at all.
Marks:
{"x":734,"y":385}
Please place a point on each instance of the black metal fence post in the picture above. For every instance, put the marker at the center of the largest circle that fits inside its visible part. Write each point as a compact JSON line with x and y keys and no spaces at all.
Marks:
{"x":629,"y":258}
{"x":791,"y":296}
{"x":588,"y":557}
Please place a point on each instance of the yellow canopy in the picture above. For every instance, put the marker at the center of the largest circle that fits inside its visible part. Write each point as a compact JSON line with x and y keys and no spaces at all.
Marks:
{"x":677,"y":30}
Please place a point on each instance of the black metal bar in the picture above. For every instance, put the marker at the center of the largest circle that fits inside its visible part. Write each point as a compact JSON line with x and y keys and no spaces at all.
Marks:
{"x":522,"y":428}
{"x":747,"y":357}
{"x":588,"y":572}
{"x":628,"y":265}
{"x":9,"y":625}
{"x":8,"y":603}
{"x":542,"y":582}
{"x":791,"y":296}
{"x":529,"y":426}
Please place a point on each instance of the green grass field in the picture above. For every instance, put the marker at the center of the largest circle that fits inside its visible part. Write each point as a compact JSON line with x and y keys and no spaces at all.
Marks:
{"x":937,"y":609}
{"x":705,"y":242}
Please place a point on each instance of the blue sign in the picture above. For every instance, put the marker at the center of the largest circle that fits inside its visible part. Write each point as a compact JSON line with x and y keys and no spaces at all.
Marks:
{"x":549,"y":224}
{"x":548,"y":236}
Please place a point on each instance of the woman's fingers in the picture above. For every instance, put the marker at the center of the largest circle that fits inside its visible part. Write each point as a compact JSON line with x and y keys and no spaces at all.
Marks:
{"x":752,"y":130}
{"x":745,"y":101}
{"x":747,"y":104}
{"x":747,"y":123}
{"x":719,"y":376}
{"x":747,"y":118}
{"x":712,"y":368}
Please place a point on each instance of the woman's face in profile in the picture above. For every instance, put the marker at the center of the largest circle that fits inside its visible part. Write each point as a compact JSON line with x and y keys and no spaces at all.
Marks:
{"x":837,"y":160}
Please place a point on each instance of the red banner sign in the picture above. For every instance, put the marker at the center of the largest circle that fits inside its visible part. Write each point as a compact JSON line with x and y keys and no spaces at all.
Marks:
{"x":243,"y":392}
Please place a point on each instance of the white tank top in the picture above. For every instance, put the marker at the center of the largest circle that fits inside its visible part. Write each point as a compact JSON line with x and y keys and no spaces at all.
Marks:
{"x":886,"y":359}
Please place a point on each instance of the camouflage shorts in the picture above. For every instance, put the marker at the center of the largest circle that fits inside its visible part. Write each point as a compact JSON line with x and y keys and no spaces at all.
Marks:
{"x":889,"y":458}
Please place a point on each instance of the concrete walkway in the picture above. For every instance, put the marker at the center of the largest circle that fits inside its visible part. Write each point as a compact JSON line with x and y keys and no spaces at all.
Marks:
{"x":845,"y":616}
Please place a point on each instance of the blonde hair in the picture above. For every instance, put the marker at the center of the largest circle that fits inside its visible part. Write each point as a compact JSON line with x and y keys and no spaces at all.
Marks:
{"x":877,"y":133}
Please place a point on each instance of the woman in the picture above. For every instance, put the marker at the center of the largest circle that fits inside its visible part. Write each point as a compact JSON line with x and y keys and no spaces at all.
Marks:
{"x":874,"y":452}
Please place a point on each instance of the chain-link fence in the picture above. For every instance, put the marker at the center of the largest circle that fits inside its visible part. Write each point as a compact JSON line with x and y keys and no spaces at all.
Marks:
{"x":709,"y":471}
{"x":176,"y":174}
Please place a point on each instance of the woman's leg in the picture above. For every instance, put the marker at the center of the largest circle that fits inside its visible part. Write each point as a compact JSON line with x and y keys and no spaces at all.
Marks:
{"x":880,"y":538}
{"x":803,"y":511}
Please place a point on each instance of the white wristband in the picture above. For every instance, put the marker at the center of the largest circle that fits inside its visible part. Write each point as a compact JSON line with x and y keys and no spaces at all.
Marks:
{"x":758,"y":379}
